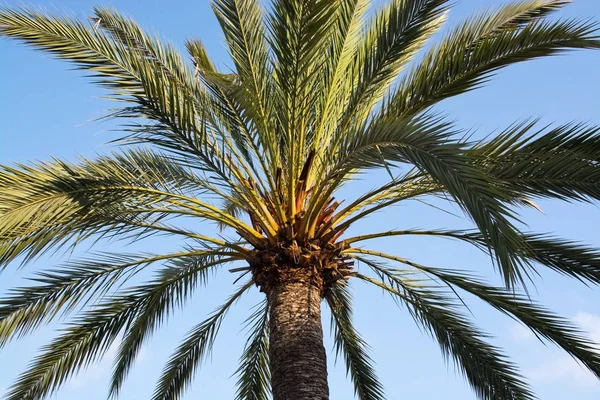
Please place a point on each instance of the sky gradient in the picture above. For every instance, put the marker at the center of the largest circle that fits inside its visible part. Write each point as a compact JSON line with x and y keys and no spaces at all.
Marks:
{"x":48,"y":110}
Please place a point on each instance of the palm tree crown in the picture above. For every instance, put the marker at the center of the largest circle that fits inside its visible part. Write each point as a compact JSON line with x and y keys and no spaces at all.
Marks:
{"x":322,"y":91}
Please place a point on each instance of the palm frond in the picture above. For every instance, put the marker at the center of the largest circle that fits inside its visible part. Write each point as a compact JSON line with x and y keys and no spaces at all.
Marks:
{"x":77,"y":347}
{"x":489,"y":373}
{"x":58,"y":292}
{"x":467,"y":57}
{"x":566,"y":257}
{"x":138,"y":70}
{"x":135,"y":310}
{"x":184,"y":362}
{"x":47,"y":205}
{"x":394,"y":35}
{"x":300,"y":33}
{"x":172,"y":286}
{"x":338,"y":80}
{"x":351,"y":346}
{"x":243,"y":26}
{"x":254,"y":376}
{"x":537,"y":318}
{"x":561,"y":162}
{"x":428,"y":144}
{"x":540,"y":320}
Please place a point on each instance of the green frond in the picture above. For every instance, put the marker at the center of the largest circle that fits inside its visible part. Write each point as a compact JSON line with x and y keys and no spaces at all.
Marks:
{"x":338,"y":79}
{"x":172,"y":286}
{"x":47,"y":205}
{"x":540,"y":320}
{"x":58,"y":292}
{"x":183,"y":363}
{"x":428,"y":144}
{"x":235,"y":114}
{"x":128,"y":33}
{"x":566,"y":257}
{"x":199,"y":55}
{"x":394,"y":35}
{"x":75,"y":41}
{"x":86,"y":340}
{"x":467,"y":57}
{"x":137,"y":70}
{"x":244,"y":28}
{"x":254,"y":376}
{"x":537,"y":318}
{"x":77,"y":347}
{"x":351,"y":346}
{"x":489,"y":373}
{"x":560,"y":162}
{"x":300,"y":42}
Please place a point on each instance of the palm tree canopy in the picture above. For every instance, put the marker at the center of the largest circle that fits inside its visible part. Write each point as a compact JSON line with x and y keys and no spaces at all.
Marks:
{"x":322,"y":92}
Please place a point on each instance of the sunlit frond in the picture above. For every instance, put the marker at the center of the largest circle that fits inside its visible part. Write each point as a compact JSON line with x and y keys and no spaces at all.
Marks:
{"x":243,"y":26}
{"x":50,"y":204}
{"x":467,"y":57}
{"x":394,"y":35}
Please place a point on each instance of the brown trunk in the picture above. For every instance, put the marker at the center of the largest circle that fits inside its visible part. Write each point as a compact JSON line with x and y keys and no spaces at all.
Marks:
{"x":296,"y":351}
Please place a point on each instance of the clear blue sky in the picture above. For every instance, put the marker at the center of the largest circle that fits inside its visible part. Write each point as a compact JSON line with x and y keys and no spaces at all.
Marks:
{"x":46,"y":111}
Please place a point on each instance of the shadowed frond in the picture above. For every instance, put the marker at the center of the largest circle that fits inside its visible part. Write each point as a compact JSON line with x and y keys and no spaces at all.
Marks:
{"x":87,"y":340}
{"x":254,"y":377}
{"x":428,"y":143}
{"x":490,"y":374}
{"x":560,"y":162}
{"x":351,"y":346}
{"x":183,"y":363}
{"x":58,"y":292}
{"x":566,"y":257}
{"x":540,"y":320}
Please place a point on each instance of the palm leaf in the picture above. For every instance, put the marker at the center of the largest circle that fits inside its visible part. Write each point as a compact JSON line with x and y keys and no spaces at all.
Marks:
{"x":184,"y":362}
{"x":170,"y":289}
{"x":470,"y":54}
{"x":49,"y":204}
{"x":489,"y":373}
{"x":560,"y":162}
{"x":427,"y":143}
{"x":254,"y":376}
{"x":351,"y":346}
{"x":243,"y":26}
{"x":58,"y":292}
{"x":395,"y":34}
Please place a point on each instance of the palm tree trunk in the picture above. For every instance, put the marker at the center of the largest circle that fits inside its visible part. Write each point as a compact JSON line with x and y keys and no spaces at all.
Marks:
{"x":297,"y":356}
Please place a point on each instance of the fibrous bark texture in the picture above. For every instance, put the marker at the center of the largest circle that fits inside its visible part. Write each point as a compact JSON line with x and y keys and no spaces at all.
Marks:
{"x":296,"y":351}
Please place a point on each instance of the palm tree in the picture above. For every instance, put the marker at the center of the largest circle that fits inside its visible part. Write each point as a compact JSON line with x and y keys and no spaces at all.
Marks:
{"x":323,"y":90}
